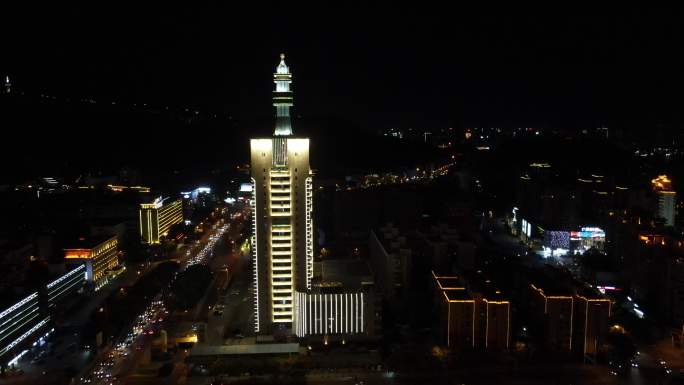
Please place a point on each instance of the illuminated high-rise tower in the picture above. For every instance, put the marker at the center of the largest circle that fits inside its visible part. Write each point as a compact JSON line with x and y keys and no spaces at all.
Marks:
{"x":282,"y":218}
{"x":667,"y":197}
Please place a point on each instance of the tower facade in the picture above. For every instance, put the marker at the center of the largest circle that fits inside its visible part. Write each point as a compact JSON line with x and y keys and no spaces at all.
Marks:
{"x":282,"y":217}
{"x":666,"y":199}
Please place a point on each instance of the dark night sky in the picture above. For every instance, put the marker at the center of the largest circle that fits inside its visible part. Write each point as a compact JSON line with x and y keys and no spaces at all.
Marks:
{"x":380,"y":66}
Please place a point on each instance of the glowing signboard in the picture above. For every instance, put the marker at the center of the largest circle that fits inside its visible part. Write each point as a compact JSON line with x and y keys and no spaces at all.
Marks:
{"x":588,"y":232}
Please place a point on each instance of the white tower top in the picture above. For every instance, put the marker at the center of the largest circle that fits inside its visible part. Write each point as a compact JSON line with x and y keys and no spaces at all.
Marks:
{"x":282,"y":67}
{"x":282,"y":98}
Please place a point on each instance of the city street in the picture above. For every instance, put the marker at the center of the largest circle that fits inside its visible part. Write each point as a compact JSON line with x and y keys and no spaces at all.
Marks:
{"x":122,"y":360}
{"x":235,"y":314}
{"x":237,"y":302}
{"x":505,"y":244}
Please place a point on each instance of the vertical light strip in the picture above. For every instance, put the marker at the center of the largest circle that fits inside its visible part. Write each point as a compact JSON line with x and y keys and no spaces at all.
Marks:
{"x":361,"y":312}
{"x":308,"y":299}
{"x":572,"y":315}
{"x":350,"y":313}
{"x":149,"y":227}
{"x":255,"y":246}
{"x":346,"y":309}
{"x":353,"y":313}
{"x":309,"y":231}
{"x":295,"y":324}
{"x":325,"y":312}
{"x":448,"y":324}
{"x":322,"y":313}
{"x":473,"y":307}
{"x":302,"y":318}
{"x":356,"y":315}
{"x":299,"y":314}
{"x":157,"y":214}
{"x":487,"y":325}
{"x":586,"y":324}
{"x":508,"y":323}
{"x":350,"y":325}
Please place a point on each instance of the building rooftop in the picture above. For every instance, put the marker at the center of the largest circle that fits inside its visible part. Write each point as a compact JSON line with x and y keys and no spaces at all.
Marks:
{"x":468,"y":286}
{"x":157,"y":202}
{"x":107,"y":221}
{"x":457,"y":295}
{"x":479,"y":282}
{"x":550,"y":286}
{"x":87,"y":242}
{"x":252,"y":349}
{"x":393,"y":240}
{"x":347,"y":273}
{"x":345,"y":267}
{"x":556,"y":282}
{"x":445,"y":283}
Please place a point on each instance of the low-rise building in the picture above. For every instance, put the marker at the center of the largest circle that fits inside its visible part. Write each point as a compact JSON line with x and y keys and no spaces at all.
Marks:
{"x":15,"y":258}
{"x":23,"y":319}
{"x":342,"y":305}
{"x":391,"y":257}
{"x":100,"y":255}
{"x":473,"y":313}
{"x":573,"y":317}
{"x":447,"y":248}
{"x":157,"y":217}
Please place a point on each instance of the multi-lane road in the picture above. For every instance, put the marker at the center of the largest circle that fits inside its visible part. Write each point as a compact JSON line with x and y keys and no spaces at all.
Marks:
{"x":236,"y":318}
{"x":119,"y":361}
{"x":221,"y":251}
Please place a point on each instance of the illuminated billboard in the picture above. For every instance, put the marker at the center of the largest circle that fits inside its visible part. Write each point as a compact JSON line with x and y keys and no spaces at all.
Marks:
{"x":588,"y":233}
{"x":560,"y":242}
{"x":557,"y":239}
{"x":246,"y":187}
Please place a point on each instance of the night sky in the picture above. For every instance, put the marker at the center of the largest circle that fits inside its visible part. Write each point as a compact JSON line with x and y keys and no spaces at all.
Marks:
{"x":378,"y":67}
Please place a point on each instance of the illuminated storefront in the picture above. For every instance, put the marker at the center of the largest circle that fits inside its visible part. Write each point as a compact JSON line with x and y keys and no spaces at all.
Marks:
{"x":560,"y":242}
{"x":587,"y":238}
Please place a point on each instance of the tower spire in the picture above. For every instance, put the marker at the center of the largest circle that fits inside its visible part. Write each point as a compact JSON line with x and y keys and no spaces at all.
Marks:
{"x":282,"y":98}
